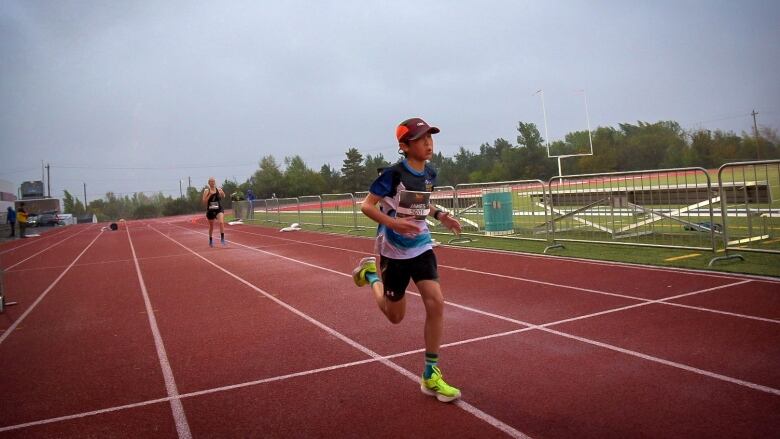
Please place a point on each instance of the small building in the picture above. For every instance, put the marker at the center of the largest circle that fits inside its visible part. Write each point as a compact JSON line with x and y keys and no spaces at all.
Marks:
{"x":34,"y":199}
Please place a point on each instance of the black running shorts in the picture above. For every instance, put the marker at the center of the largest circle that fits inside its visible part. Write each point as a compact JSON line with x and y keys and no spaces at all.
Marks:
{"x":212,"y":214}
{"x":396,"y":273}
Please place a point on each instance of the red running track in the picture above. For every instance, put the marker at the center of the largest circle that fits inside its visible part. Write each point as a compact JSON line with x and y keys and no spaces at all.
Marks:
{"x":148,"y":332}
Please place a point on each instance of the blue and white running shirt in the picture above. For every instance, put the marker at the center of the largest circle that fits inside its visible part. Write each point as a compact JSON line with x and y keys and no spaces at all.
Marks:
{"x":395,"y":179}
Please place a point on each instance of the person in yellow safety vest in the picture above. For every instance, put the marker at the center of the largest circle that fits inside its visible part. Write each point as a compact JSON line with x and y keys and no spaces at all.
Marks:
{"x":21,"y":218}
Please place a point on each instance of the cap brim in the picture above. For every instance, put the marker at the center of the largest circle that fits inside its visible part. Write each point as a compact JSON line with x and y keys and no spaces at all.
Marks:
{"x":432,"y":130}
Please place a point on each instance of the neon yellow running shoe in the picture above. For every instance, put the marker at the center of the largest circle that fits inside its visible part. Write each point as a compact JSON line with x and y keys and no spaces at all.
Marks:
{"x":436,"y":386}
{"x":367,"y":264}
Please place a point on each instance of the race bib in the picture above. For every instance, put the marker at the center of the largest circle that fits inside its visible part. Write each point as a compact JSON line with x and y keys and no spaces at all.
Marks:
{"x":413,"y":203}
{"x":213,"y":205}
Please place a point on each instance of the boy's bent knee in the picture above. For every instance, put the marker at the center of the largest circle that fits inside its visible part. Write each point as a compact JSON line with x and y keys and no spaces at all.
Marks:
{"x":395,"y":311}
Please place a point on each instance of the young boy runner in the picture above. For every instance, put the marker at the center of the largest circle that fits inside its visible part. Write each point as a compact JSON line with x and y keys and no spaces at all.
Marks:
{"x":404,"y":245}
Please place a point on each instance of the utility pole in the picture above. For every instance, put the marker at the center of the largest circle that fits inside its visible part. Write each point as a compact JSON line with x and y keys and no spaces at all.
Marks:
{"x":755,"y":130}
{"x":189,"y":182}
{"x":181,"y":194}
{"x":85,"y":197}
{"x":48,"y":179}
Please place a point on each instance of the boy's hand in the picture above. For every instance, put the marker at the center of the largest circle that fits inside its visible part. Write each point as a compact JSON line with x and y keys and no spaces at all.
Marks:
{"x":450,"y":222}
{"x":405,"y":226}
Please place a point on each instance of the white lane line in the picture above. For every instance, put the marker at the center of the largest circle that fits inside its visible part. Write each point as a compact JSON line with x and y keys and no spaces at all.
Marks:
{"x":726,"y":313}
{"x":443,"y":266}
{"x":220,"y":389}
{"x":460,"y":403}
{"x":528,"y":327}
{"x":585,"y":316}
{"x":519,"y":254}
{"x":44,"y":250}
{"x":544,"y":327}
{"x":45,"y":292}
{"x":663,"y":301}
{"x":98,"y":263}
{"x":182,"y":427}
{"x":32,"y":241}
{"x":81,"y":415}
{"x":695,"y":370}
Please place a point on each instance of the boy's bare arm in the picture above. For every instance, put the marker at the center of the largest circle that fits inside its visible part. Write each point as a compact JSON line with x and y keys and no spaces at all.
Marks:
{"x":404,"y":226}
{"x":446,"y":219}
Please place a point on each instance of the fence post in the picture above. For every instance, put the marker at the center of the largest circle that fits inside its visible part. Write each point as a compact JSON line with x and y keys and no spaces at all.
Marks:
{"x":322,"y":213}
{"x":551,"y":207}
{"x":762,"y":193}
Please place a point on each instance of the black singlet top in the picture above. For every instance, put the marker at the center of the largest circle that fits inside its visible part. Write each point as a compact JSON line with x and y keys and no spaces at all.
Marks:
{"x":214,"y":198}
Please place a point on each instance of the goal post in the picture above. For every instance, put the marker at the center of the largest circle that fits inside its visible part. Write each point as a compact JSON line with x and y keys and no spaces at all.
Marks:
{"x":560,"y":157}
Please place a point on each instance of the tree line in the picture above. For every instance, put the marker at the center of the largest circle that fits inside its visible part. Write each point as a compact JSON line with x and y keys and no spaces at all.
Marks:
{"x":628,"y":147}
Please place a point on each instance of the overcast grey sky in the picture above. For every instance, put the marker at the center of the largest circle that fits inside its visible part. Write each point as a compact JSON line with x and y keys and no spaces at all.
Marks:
{"x":198,"y":88}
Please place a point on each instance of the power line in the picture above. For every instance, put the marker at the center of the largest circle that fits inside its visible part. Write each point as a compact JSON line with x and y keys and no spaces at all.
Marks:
{"x":731,"y":116}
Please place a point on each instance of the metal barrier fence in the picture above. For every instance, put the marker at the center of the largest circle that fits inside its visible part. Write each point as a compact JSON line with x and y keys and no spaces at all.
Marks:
{"x":288,"y":210}
{"x":311,"y":210}
{"x":510,"y":209}
{"x":749,"y":208}
{"x":670,"y":208}
{"x":261,"y":211}
{"x":338,"y":210}
{"x":242,"y":209}
{"x":443,"y":197}
{"x":362,"y":222}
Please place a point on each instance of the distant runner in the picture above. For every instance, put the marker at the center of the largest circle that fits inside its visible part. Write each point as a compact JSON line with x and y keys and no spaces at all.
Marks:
{"x":212,"y":199}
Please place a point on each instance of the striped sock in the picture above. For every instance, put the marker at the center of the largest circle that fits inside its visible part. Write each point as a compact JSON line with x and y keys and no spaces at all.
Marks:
{"x":430,"y":361}
{"x":371,"y":277}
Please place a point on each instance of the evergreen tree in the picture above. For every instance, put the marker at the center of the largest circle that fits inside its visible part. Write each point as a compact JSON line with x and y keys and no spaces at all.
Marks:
{"x":331,"y":179}
{"x":353,"y":172}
